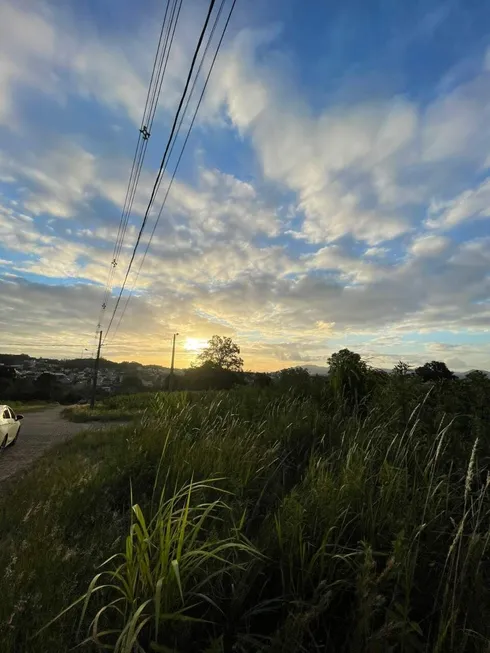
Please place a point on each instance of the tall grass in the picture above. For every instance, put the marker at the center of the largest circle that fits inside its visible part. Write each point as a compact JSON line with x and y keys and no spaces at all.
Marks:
{"x":166,"y":573}
{"x":248,"y":522}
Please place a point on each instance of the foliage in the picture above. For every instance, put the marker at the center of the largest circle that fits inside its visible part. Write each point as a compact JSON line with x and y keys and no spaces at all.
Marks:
{"x":293,"y":376}
{"x":119,"y":408}
{"x":131,"y":383}
{"x":261,"y":379}
{"x":259,"y":519}
{"x":435,"y":371}
{"x":7,"y":372}
{"x":222,"y":352}
{"x":347,"y":374}
{"x":209,"y":376}
{"x":298,"y":382}
{"x":29,"y":406}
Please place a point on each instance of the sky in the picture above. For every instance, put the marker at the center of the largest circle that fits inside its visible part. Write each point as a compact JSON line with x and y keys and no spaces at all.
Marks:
{"x":334,"y":192}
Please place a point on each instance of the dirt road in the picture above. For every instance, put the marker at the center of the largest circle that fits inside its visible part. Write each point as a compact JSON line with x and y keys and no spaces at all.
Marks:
{"x":39,"y":431}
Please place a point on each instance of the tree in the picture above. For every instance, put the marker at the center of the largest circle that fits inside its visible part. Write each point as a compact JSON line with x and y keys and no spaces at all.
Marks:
{"x":295,"y":380}
{"x":222,"y":352}
{"x":401,"y":370}
{"x":403,"y":389}
{"x":209,"y":376}
{"x":261,"y":380}
{"x":131,"y":384}
{"x":478,"y":378}
{"x":435,"y":371}
{"x":47,"y":386}
{"x":7,"y":372}
{"x":476,"y":390}
{"x":348,"y":374}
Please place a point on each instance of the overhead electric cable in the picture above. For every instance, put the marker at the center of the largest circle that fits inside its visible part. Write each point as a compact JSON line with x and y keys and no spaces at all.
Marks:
{"x":164,"y":159}
{"x":162,"y":54}
{"x":182,"y":149}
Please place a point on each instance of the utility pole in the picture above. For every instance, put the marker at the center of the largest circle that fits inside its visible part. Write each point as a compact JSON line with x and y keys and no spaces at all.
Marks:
{"x":171,"y":375}
{"x":96,"y":373}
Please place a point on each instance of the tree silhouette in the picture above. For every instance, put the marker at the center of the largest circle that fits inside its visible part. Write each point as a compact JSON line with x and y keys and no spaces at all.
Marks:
{"x":347,"y":374}
{"x":401,"y":370}
{"x":222,"y":352}
{"x":435,"y":371}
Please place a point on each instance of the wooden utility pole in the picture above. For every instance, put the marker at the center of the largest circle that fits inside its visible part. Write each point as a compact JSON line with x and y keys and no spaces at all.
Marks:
{"x":96,"y":373}
{"x":171,"y":375}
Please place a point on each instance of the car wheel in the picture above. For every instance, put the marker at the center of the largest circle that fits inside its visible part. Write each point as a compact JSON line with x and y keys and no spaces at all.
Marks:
{"x":15,"y":439}
{"x":4,"y":443}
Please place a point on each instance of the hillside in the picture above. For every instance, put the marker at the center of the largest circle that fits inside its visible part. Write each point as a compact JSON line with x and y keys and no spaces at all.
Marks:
{"x":258,"y":519}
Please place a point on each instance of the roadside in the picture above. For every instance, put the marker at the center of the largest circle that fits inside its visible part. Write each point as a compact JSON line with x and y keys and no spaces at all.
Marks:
{"x":39,"y":431}
{"x":101,"y":413}
{"x":24,"y":407}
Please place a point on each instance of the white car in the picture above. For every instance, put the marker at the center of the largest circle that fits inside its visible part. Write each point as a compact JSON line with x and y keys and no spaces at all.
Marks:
{"x":9,"y":426}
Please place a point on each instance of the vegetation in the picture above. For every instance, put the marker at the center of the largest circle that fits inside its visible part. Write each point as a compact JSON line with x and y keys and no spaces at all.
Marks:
{"x":120,"y":408}
{"x":435,"y":371}
{"x":345,"y":513}
{"x":29,"y":406}
{"x":222,"y":352}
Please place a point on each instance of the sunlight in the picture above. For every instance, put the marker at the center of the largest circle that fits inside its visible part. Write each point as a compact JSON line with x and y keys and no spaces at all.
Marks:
{"x":195,"y":344}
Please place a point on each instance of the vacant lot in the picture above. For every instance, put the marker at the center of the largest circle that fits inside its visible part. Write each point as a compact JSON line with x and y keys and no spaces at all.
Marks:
{"x":253,"y":521}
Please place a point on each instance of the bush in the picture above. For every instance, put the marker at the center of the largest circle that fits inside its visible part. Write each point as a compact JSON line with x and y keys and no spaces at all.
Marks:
{"x":253,"y":520}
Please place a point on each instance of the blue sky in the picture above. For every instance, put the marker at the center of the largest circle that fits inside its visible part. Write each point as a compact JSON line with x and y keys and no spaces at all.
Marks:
{"x":335,"y":190}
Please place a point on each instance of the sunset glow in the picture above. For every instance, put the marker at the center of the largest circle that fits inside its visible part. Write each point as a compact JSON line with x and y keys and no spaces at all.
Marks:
{"x":326,"y":200}
{"x":195,"y":345}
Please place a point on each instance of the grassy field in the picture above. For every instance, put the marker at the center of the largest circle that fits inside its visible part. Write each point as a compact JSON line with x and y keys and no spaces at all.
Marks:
{"x":251,"y":521}
{"x":122,"y":408}
{"x":29,"y":406}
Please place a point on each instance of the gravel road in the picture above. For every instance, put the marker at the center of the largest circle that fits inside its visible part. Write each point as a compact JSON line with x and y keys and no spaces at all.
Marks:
{"x":39,"y":431}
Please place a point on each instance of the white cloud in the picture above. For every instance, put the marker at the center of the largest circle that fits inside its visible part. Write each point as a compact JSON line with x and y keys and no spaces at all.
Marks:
{"x":221,"y":259}
{"x":429,"y":245}
{"x":63,"y":178}
{"x":348,"y":268}
{"x":314,"y":156}
{"x":56,"y":51}
{"x":357,"y":169}
{"x":376,"y":251}
{"x":27,"y":40}
{"x":470,"y":204}
{"x":55,"y":54}
{"x":455,"y":125}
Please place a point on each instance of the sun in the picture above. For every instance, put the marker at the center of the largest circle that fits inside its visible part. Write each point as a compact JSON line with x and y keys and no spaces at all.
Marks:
{"x":195,"y":344}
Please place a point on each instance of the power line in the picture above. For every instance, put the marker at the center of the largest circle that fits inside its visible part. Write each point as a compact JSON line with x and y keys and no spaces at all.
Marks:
{"x":164,"y":159}
{"x":148,"y":122}
{"x":143,"y":135}
{"x":161,"y":55}
{"x":183,"y":146}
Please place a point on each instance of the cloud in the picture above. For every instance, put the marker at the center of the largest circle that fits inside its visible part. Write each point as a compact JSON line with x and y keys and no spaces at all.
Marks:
{"x":59,"y":52}
{"x":27,"y":40}
{"x":56,"y":54}
{"x":359,"y":169}
{"x":336,"y":238}
{"x":429,"y":245}
{"x":468,"y":205}
{"x":62,"y":179}
{"x":65,"y":316}
{"x":454,"y":124}
{"x":376,"y":251}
